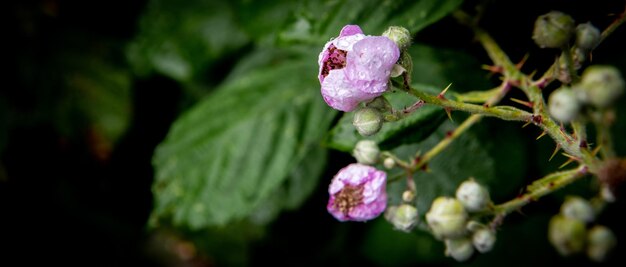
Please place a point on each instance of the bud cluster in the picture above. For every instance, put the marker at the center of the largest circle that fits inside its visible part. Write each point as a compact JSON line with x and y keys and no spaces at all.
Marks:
{"x":598,"y":87}
{"x":569,"y":232}
{"x":449,"y":220}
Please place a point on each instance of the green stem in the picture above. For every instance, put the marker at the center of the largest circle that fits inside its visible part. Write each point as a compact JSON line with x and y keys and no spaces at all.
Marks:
{"x":540,"y":188}
{"x":502,"y":112}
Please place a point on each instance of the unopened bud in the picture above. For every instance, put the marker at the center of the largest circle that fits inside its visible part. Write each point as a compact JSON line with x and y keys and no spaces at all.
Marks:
{"x":380,"y":103}
{"x":399,"y":35}
{"x":600,"y":86}
{"x":553,"y":30}
{"x":408,"y":196}
{"x":563,"y":105}
{"x":389,"y":163}
{"x":484,"y":239}
{"x":460,"y":249}
{"x":472,"y":195}
{"x":446,"y":218}
{"x":366,"y":152}
{"x":587,"y":36}
{"x":600,"y":242}
{"x":578,"y":208}
{"x":367,"y":121}
{"x":567,"y":235}
{"x":403,"y":217}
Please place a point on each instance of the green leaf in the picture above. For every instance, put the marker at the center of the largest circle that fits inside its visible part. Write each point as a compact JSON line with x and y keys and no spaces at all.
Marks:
{"x":316,"y":21}
{"x":255,"y":138}
{"x":465,"y":157}
{"x":181,"y":39}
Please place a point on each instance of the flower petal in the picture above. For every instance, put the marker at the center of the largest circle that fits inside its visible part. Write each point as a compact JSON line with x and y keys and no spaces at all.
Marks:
{"x":339,"y":93}
{"x":370,"y":62}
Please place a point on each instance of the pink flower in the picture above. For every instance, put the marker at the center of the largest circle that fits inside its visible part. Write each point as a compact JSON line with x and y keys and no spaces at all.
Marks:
{"x":355,"y":67}
{"x":357,"y":193}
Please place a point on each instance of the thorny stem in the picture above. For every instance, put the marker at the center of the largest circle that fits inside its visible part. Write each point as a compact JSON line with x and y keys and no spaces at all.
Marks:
{"x":540,"y":188}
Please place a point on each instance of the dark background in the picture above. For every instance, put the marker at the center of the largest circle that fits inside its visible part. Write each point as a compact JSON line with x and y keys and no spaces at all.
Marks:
{"x":65,"y":199}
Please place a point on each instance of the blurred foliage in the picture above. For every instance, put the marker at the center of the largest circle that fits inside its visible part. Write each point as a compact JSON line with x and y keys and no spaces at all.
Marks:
{"x":169,"y":133}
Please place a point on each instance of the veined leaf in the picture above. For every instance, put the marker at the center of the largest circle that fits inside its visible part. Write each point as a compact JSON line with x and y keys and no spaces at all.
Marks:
{"x":235,"y":149}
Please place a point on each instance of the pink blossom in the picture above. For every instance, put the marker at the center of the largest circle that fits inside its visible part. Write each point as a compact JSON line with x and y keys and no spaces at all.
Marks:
{"x":355,"y":67}
{"x":357,"y":193}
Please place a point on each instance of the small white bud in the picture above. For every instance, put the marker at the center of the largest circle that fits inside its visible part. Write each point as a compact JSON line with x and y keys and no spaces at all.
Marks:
{"x":484,"y":239}
{"x":389,"y":163}
{"x":600,"y":86}
{"x":408,"y":196}
{"x":601,"y":241}
{"x":403,"y":217}
{"x":563,"y":105}
{"x":460,"y":249}
{"x":366,"y":152}
{"x":472,"y":195}
{"x":578,"y":208}
{"x":567,"y":235}
{"x":447,"y":218}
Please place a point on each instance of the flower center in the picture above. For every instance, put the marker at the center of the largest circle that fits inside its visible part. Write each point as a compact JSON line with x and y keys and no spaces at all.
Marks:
{"x":348,"y":198}
{"x":336,"y":60}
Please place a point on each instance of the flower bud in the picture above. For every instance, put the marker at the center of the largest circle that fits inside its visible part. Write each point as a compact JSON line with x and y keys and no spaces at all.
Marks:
{"x":446,"y":218}
{"x":553,"y":30}
{"x":367,"y":121}
{"x":567,"y":235}
{"x":380,"y":103}
{"x":601,"y":241}
{"x":587,"y":36}
{"x":600,"y":86}
{"x":389,"y":163}
{"x":399,"y":35}
{"x":403,"y":217}
{"x":408,"y":196}
{"x":460,"y":249}
{"x":578,"y":208}
{"x":472,"y":195}
{"x":366,"y":152}
{"x":563,"y":105}
{"x":484,"y":239}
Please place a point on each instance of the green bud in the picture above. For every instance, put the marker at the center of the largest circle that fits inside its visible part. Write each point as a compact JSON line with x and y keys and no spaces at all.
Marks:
{"x":484,"y":239}
{"x":447,"y":218}
{"x":563,"y":105}
{"x":553,"y":30}
{"x":600,"y":86}
{"x":403,"y":217}
{"x":366,"y":152}
{"x":472,"y":195}
{"x":578,"y":208}
{"x":601,"y":241}
{"x":367,"y":121}
{"x":460,"y":249}
{"x":567,"y":235}
{"x":587,"y":36}
{"x":399,"y":35}
{"x":380,"y":103}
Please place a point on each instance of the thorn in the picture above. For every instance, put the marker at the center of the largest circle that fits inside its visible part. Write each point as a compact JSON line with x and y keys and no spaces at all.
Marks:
{"x":526,"y":124}
{"x":532,"y":74}
{"x":525,"y":103}
{"x":566,"y":163}
{"x":562,"y":130}
{"x":556,"y":149}
{"x":492,"y":69}
{"x":596,"y":150}
{"x":444,"y":92}
{"x":521,"y":62}
{"x":449,"y":114}
{"x":541,"y":135}
{"x":569,"y":156}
